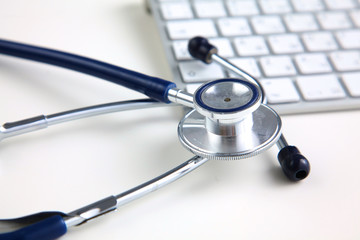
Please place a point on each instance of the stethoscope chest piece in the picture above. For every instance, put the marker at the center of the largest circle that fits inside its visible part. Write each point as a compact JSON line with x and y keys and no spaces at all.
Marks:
{"x":229,"y":122}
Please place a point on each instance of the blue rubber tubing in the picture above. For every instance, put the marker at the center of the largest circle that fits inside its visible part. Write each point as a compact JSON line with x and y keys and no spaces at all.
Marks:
{"x":155,"y":88}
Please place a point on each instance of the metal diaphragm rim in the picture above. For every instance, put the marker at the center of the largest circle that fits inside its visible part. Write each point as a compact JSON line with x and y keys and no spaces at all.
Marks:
{"x":264,"y":132}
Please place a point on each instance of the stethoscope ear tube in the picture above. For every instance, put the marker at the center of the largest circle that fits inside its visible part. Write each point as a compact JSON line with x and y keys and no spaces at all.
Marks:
{"x":155,"y":88}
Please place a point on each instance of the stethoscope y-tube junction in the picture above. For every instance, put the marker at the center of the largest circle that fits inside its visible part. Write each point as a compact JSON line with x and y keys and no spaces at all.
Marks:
{"x":230,"y":120}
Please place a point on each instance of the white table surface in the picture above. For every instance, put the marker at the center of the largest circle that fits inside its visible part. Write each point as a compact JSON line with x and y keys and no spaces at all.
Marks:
{"x":71,"y":165}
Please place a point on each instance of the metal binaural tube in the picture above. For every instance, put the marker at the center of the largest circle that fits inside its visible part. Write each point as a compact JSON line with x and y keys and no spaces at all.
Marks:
{"x":160,"y":181}
{"x":111,"y":203}
{"x":231,"y":67}
{"x":43,"y":121}
{"x":179,"y":96}
{"x":281,"y":143}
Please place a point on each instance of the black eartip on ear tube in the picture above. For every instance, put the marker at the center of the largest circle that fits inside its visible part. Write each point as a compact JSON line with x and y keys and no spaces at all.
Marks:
{"x":295,"y":166}
{"x":201,"y":49}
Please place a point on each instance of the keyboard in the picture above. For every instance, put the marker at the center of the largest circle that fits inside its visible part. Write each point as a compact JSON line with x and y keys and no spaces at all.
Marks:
{"x":305,"y":53}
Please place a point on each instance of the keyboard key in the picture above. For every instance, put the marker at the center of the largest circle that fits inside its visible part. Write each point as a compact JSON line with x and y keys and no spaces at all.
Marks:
{"x":277,"y":66}
{"x":352,"y":83}
{"x":346,"y":61}
{"x":192,"y":87}
{"x":267,"y":24}
{"x":223,"y":45}
{"x":334,"y":20}
{"x":319,"y":41}
{"x":280,"y":90}
{"x":340,"y":4}
{"x":275,"y":6}
{"x":286,"y":43}
{"x":209,"y":8}
{"x":184,"y":29}
{"x":308,"y":5}
{"x":180,"y":50}
{"x":196,"y":71}
{"x":242,"y":7}
{"x":320,"y":87}
{"x":355,"y":15}
{"x":176,"y":10}
{"x":349,"y":38}
{"x":313,"y":63}
{"x":248,"y":65}
{"x":234,"y":26}
{"x":251,"y":46}
{"x":300,"y":22}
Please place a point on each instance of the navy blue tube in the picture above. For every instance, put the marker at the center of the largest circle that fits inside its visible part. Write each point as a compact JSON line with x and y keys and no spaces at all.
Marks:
{"x":153,"y":87}
{"x":49,"y":228}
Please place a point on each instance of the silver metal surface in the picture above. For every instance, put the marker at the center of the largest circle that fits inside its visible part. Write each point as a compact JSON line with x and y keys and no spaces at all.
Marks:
{"x":179,"y":96}
{"x":111,"y":203}
{"x":40,"y":122}
{"x":224,"y":96}
{"x":281,"y":143}
{"x":91,"y":211}
{"x":250,"y":137}
{"x":233,"y":68}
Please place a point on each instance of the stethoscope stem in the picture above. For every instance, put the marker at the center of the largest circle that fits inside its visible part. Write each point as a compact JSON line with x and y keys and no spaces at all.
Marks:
{"x":111,"y":203}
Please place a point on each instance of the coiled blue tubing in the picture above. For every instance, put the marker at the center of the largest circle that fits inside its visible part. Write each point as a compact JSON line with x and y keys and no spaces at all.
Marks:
{"x":153,"y":87}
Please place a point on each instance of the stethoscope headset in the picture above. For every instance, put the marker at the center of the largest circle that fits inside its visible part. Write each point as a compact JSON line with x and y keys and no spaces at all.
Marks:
{"x":230,"y":120}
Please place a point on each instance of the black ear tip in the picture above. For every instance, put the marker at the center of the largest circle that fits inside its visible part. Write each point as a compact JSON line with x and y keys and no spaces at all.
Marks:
{"x":294,"y":165}
{"x":201,"y":49}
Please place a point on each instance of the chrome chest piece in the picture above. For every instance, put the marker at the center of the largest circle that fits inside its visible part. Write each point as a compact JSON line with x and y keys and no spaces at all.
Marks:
{"x":229,"y":121}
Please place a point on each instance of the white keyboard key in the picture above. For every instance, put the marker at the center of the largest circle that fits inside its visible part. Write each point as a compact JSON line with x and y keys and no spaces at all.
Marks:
{"x":176,"y":10}
{"x":192,"y":87}
{"x":320,"y":87}
{"x":242,"y":7}
{"x":223,"y":45}
{"x":280,"y":90}
{"x":313,"y":63}
{"x":334,"y":20}
{"x":352,"y":83}
{"x":183,"y":29}
{"x":340,"y":4}
{"x":349,"y":38}
{"x":308,"y":5}
{"x":267,"y":24}
{"x":277,"y":66}
{"x":180,"y":50}
{"x":196,"y":71}
{"x":234,"y":26}
{"x":248,"y":65}
{"x":209,"y":8}
{"x":355,"y":15}
{"x":319,"y":41}
{"x":300,"y":22}
{"x":346,"y":61}
{"x":286,"y":43}
{"x":275,"y":6}
{"x":251,"y":46}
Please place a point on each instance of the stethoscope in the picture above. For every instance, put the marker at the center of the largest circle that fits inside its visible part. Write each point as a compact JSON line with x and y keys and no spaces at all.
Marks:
{"x":229,"y":120}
